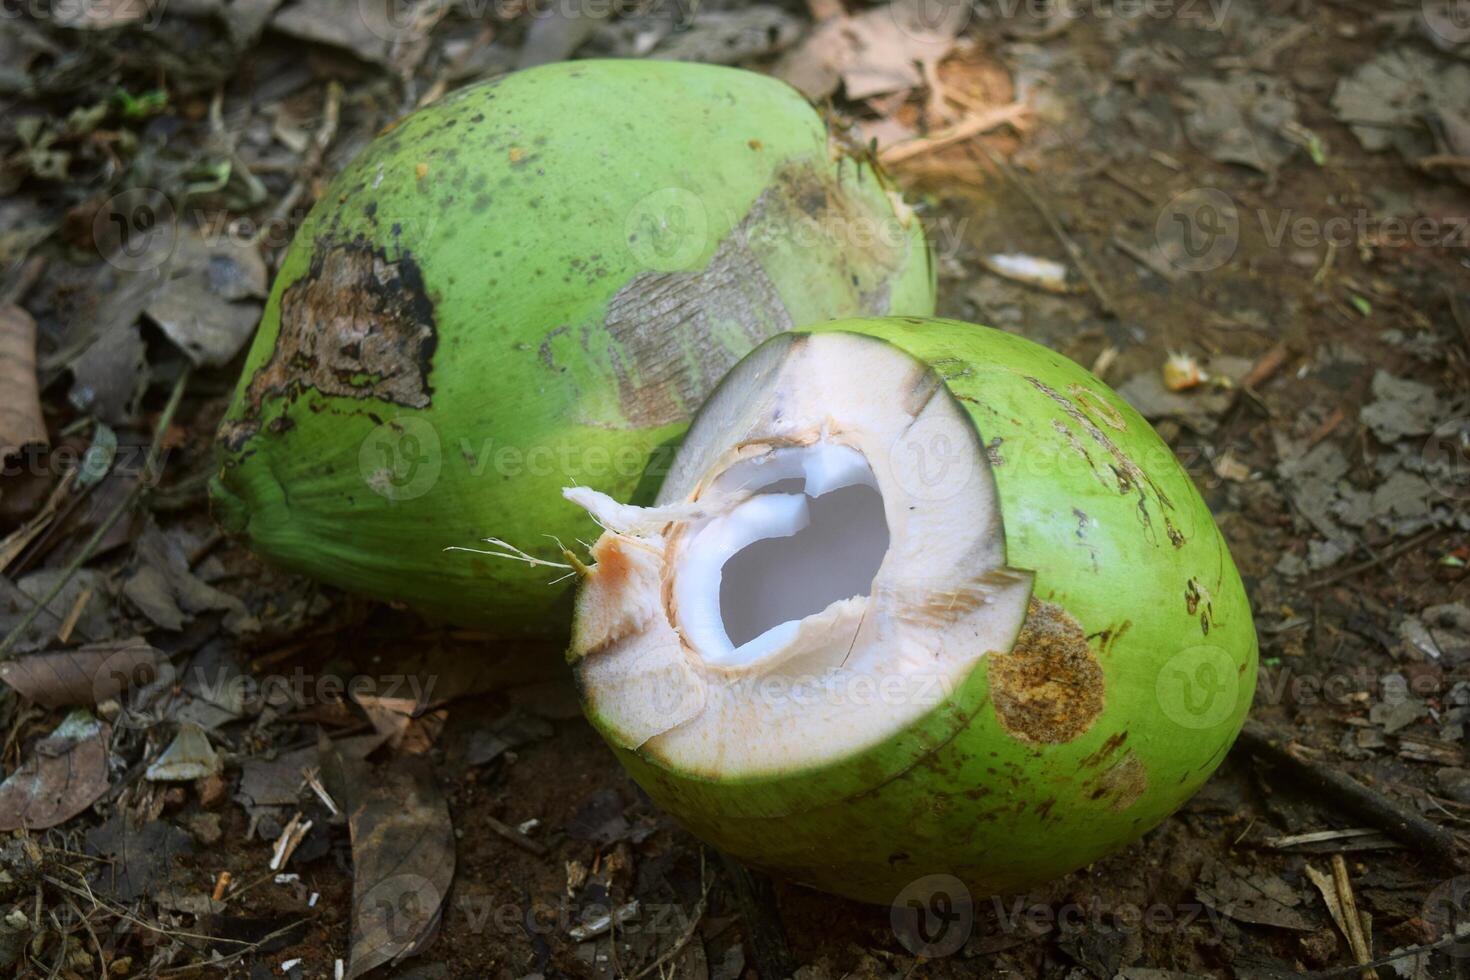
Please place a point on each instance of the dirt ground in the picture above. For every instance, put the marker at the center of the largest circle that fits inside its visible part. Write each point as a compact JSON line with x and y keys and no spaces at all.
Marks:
{"x":1276,"y":192}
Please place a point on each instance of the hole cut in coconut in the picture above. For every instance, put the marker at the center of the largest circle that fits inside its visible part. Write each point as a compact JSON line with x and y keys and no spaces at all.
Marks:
{"x":812,"y":534}
{"x":824,"y":567}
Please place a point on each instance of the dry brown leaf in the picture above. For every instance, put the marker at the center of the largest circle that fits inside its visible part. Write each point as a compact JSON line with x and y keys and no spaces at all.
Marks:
{"x":402,"y":855}
{"x":65,"y":774}
{"x":874,"y":52}
{"x":21,"y":423}
{"x":84,"y":676}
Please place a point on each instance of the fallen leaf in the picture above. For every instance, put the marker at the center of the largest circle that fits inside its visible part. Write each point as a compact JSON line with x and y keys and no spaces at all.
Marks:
{"x":17,"y":599}
{"x":108,"y":376}
{"x":599,"y":819}
{"x":394,"y":719}
{"x":65,"y":774}
{"x":1260,"y":899}
{"x":1199,"y":408}
{"x":188,"y":757}
{"x":1388,"y":100}
{"x":402,"y":854}
{"x":1400,"y":408}
{"x":21,"y":423}
{"x":206,"y":305}
{"x":164,"y":589}
{"x":384,"y":33}
{"x":87,"y":675}
{"x":875,"y":52}
{"x":515,"y":729}
{"x":1243,"y":119}
{"x":141,"y":859}
{"x":731,"y":37}
{"x":556,"y":34}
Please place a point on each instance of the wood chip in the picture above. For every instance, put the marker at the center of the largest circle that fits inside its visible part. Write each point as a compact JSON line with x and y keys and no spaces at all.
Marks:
{"x":973,"y":125}
{"x":21,"y":422}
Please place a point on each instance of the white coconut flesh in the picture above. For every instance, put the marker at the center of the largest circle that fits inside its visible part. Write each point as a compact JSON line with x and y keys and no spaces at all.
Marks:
{"x":824,"y":566}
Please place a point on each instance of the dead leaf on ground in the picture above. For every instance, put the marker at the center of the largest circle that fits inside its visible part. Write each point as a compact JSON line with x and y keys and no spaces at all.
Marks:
{"x":402,"y":855}
{"x":875,"y":52}
{"x":208,"y":304}
{"x":21,"y":422}
{"x":109,"y":376}
{"x":511,"y":731}
{"x":731,"y":37}
{"x":1200,"y":408}
{"x":394,"y":719}
{"x":87,"y":675}
{"x":1260,"y":899}
{"x":1243,"y":119}
{"x":387,"y":34}
{"x":165,"y":589}
{"x":140,"y":857}
{"x":1401,"y":408}
{"x":1405,"y":99}
{"x":65,"y":774}
{"x":17,"y":599}
{"x":188,"y":757}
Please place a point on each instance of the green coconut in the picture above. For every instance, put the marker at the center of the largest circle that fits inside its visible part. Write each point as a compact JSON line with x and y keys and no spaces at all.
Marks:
{"x":917,"y":598}
{"x":534,"y":282}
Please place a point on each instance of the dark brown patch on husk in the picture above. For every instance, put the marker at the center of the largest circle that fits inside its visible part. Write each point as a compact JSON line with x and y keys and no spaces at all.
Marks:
{"x":1122,"y":783}
{"x":357,"y":325}
{"x":676,"y":334}
{"x":1049,"y":688}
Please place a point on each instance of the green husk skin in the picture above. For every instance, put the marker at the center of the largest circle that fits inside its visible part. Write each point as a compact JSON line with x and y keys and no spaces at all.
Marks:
{"x":1156,"y":595}
{"x":534,"y":282}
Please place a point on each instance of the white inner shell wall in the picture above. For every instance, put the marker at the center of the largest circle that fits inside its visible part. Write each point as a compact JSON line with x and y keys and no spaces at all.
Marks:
{"x":857,"y":451}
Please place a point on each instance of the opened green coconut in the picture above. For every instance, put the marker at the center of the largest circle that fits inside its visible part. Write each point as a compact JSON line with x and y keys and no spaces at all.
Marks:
{"x":918,"y":597}
{"x":535,"y":282}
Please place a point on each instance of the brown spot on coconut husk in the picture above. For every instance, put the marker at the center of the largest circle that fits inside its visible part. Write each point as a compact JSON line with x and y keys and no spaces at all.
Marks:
{"x":1049,"y":688}
{"x":1121,"y":784}
{"x":676,"y":334}
{"x":356,"y":325}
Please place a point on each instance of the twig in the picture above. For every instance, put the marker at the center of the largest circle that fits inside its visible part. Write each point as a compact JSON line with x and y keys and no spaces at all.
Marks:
{"x":63,"y":635}
{"x":315,"y":150}
{"x":1369,"y":805}
{"x":689,"y":930}
{"x":970,"y":126}
{"x":1079,"y":257}
{"x":1390,"y":959}
{"x":1421,"y":538}
{"x":766,"y":936}
{"x":1443,"y":161}
{"x":22,"y":280}
{"x":155,"y":451}
{"x":1266,"y":366}
{"x":514,"y":836}
{"x":1352,"y":919}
